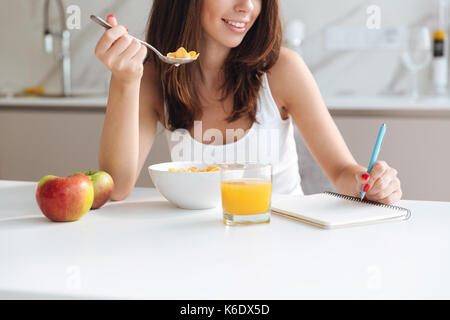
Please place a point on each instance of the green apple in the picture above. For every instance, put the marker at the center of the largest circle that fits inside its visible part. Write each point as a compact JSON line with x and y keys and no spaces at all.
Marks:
{"x":65,"y":199}
{"x":103,"y":186}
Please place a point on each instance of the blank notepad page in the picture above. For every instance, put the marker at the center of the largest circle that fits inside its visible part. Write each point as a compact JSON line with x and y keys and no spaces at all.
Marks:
{"x":329,"y":210}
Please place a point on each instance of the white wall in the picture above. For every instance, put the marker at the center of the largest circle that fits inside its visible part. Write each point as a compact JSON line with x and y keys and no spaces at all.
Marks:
{"x":22,"y":57}
{"x":23,"y":61}
{"x":359,"y":72}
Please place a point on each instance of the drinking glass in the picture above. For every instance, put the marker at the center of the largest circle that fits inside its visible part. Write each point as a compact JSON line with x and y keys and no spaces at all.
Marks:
{"x":246,"y":193}
{"x":417,"y":54}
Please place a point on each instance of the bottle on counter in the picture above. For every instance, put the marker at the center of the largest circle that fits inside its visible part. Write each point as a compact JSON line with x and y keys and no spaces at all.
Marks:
{"x":440,"y":53}
{"x":440,"y":63}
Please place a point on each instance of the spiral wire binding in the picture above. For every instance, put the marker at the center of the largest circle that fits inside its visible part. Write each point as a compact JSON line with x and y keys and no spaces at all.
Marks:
{"x":378,"y":204}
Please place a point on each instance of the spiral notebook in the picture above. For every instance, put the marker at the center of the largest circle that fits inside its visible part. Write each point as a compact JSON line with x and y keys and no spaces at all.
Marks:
{"x":333,"y":210}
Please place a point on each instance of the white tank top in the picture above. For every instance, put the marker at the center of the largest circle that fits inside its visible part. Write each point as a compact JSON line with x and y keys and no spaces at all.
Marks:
{"x":271,"y":140}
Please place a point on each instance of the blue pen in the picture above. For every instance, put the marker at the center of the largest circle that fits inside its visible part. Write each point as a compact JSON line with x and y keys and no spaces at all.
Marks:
{"x":376,"y":151}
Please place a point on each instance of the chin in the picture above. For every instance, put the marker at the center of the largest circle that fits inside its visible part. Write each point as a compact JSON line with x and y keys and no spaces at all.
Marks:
{"x":230,"y":42}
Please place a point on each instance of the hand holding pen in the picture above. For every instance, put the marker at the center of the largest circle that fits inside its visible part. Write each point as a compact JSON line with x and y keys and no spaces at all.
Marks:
{"x":380,"y":183}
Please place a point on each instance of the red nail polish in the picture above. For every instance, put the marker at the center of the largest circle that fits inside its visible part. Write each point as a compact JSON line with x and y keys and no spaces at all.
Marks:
{"x":366,"y":187}
{"x":110,"y":16}
{"x":365,"y":176}
{"x":365,"y":198}
{"x":127,"y":29}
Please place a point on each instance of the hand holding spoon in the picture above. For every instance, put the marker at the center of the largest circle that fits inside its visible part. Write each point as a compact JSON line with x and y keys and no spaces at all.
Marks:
{"x":175,"y":61}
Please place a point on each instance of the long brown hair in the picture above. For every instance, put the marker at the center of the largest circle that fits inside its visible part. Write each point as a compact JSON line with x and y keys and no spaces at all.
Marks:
{"x":175,"y":23}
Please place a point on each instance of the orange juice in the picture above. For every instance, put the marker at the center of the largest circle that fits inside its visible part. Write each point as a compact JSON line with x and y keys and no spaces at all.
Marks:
{"x":246,"y":196}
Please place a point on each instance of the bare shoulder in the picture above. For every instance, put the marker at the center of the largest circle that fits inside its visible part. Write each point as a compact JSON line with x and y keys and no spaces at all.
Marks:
{"x":151,"y":95}
{"x":286,"y":60}
{"x":287,"y":75}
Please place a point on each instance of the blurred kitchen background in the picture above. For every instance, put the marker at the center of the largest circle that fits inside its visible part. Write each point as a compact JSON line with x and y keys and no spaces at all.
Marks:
{"x":355,"y":49}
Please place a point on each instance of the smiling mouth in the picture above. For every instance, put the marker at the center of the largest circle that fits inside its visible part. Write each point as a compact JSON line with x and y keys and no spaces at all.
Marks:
{"x":239,"y":25}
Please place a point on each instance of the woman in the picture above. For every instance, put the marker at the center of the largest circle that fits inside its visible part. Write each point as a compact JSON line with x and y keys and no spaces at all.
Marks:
{"x":244,"y":84}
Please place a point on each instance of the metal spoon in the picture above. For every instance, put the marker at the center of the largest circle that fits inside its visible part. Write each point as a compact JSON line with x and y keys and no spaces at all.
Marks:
{"x":175,"y":61}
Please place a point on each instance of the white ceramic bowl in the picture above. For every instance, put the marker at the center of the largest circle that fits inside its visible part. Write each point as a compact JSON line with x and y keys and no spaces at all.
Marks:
{"x":187,"y":190}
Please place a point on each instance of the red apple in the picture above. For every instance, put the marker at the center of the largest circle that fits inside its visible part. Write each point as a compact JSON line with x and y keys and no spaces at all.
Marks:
{"x":65,"y":199}
{"x":103,"y":186}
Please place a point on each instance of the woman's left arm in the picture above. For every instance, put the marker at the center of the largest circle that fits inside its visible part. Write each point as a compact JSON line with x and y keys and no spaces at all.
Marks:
{"x":296,"y":90}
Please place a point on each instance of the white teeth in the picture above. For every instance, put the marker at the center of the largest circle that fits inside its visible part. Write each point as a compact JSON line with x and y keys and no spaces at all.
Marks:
{"x":236,"y":24}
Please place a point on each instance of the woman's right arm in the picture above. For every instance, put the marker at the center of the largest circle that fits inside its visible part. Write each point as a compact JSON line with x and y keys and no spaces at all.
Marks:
{"x":130,"y":120}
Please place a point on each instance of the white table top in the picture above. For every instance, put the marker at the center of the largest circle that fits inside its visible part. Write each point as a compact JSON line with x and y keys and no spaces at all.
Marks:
{"x":144,"y":247}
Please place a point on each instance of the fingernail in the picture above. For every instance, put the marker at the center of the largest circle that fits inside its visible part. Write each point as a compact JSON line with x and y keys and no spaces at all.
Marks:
{"x":366,"y":187}
{"x":127,"y":29}
{"x":365,"y":176}
{"x":110,"y":16}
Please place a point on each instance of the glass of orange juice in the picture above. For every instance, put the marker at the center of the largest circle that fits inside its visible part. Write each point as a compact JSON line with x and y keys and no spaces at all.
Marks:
{"x":246,"y":193}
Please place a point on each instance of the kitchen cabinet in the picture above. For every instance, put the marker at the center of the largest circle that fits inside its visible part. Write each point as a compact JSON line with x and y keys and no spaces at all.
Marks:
{"x":416,"y":140}
{"x":417,"y":147}
{"x":36,"y":140}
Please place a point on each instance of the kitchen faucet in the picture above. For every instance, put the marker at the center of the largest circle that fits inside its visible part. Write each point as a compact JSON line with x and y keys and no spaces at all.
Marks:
{"x":64,"y":35}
